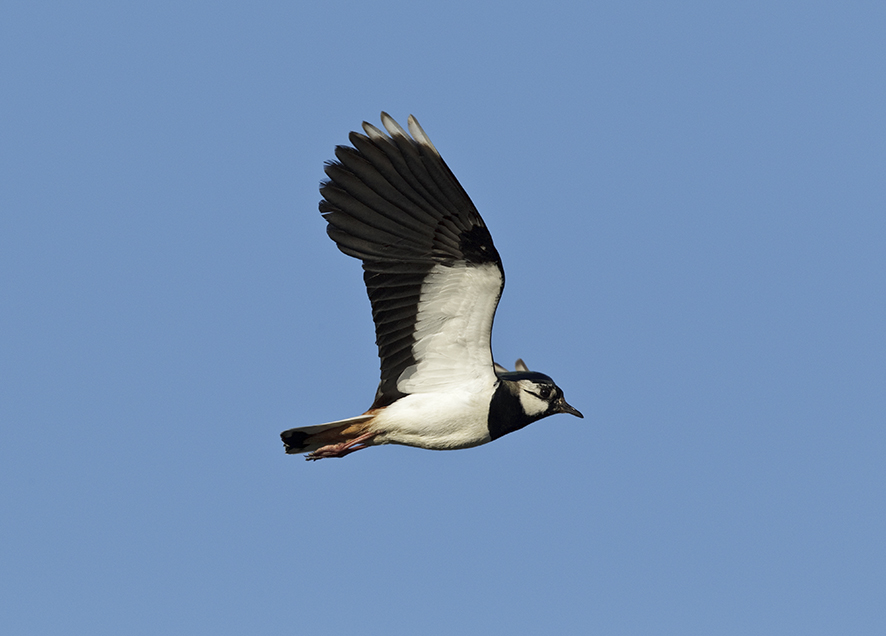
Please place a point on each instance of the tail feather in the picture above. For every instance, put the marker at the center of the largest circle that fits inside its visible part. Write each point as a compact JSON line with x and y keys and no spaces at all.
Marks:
{"x":305,"y":439}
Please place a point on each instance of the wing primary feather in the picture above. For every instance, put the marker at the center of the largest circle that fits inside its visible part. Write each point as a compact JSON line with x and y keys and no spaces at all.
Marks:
{"x":388,"y":161}
{"x":376,"y":170}
{"x":345,"y":181}
{"x":392,"y":126}
{"x":373,"y":132}
{"x":338,"y":200}
{"x":419,"y":134}
{"x":397,"y":150}
{"x":412,"y":156}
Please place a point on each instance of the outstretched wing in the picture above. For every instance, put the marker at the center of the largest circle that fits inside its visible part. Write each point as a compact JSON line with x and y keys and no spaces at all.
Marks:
{"x":432,"y":273}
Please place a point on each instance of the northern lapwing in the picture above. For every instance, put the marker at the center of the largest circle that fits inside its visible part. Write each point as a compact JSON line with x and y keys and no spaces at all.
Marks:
{"x":434,"y":279}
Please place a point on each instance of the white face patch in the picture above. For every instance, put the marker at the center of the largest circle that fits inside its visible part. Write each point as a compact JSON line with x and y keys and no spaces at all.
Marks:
{"x":529,"y":400}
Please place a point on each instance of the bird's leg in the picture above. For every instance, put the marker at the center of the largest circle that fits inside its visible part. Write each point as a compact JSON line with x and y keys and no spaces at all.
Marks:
{"x":342,"y":448}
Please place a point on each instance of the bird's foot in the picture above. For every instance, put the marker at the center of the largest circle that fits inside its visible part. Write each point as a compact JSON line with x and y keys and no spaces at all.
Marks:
{"x":342,"y":448}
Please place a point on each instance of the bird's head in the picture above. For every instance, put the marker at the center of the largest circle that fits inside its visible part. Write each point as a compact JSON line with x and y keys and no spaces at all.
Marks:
{"x":539,"y":395}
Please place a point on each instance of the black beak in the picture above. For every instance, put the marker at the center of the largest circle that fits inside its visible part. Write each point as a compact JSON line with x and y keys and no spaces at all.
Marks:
{"x":562,"y":407}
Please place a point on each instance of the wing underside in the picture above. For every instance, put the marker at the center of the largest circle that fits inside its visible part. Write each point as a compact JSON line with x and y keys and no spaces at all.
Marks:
{"x":431,"y":270}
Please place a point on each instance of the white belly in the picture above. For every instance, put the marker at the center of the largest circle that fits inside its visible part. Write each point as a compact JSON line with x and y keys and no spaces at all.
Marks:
{"x":437,"y":421}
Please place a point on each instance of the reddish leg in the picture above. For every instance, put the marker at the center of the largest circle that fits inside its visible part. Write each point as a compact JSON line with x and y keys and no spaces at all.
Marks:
{"x":343,"y":448}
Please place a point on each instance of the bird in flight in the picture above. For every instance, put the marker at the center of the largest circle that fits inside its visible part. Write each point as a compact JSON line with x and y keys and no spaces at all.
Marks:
{"x":434,"y":279}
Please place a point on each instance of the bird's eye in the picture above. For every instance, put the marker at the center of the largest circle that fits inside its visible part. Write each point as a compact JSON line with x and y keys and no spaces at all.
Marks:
{"x":544,"y":392}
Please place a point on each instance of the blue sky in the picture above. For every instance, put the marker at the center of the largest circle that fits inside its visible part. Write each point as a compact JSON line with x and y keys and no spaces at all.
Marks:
{"x":690,"y":203}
